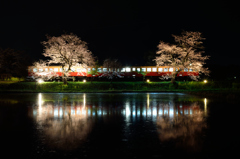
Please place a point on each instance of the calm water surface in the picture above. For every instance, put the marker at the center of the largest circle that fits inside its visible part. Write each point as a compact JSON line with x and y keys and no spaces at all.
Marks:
{"x":125,"y":125}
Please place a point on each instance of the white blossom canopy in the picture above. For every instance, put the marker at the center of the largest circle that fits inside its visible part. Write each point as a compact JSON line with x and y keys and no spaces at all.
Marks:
{"x":187,"y":53}
{"x":68,"y":51}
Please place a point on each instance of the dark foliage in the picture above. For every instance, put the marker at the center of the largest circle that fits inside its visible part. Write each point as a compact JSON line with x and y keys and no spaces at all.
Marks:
{"x":13,"y":63}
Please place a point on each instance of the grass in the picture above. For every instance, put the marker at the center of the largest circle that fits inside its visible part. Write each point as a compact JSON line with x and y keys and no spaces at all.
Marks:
{"x":12,"y":80}
{"x":116,"y":86}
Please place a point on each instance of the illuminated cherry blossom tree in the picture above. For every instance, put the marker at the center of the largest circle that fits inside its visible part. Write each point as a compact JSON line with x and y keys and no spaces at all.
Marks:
{"x":113,"y":67}
{"x":43,"y":71}
{"x":67,"y":51}
{"x":187,"y":53}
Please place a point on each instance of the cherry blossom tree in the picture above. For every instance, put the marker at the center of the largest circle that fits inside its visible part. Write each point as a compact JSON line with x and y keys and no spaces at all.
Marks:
{"x":113,"y":67}
{"x":186,"y":53}
{"x":68,"y":51}
{"x":43,"y":71}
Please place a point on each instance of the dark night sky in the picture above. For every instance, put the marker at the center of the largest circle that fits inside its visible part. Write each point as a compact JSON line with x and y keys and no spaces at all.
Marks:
{"x":122,"y":29}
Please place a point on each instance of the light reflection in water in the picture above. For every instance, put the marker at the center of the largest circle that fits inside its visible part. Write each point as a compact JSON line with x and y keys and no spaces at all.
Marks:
{"x":205,"y":106}
{"x":147,"y":100}
{"x":155,"y":110}
{"x":66,"y":121}
{"x":40,"y":102}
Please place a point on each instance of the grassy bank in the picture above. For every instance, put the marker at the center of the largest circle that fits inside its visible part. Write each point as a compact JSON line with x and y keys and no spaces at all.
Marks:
{"x":117,"y":86}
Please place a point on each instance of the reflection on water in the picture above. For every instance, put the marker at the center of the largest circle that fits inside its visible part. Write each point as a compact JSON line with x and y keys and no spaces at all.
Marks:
{"x":64,"y":122}
{"x":183,"y":125}
{"x":67,"y":119}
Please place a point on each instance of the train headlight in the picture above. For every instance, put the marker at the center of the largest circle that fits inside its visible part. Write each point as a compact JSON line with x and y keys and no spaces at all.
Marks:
{"x":84,"y":81}
{"x":205,"y":81}
{"x":148,"y":80}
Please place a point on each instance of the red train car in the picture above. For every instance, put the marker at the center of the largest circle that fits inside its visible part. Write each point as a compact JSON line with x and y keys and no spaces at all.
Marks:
{"x":128,"y":71}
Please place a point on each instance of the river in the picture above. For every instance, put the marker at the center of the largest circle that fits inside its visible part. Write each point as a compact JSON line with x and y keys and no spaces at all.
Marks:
{"x":113,"y":125}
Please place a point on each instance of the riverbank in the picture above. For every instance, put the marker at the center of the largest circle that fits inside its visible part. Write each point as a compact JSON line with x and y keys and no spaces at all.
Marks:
{"x":210,"y":89}
{"x":137,"y":86}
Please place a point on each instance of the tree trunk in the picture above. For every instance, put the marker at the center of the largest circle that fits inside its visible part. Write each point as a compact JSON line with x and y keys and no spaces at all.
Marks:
{"x":173,"y":80}
{"x":64,"y":80}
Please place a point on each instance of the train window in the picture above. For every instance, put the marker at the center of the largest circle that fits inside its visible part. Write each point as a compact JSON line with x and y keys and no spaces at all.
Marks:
{"x":123,"y":70}
{"x":84,"y":70}
{"x":170,"y":69}
{"x":46,"y":69}
{"x":154,"y":69}
{"x":165,"y":69}
{"x":89,"y":69}
{"x":93,"y":69}
{"x":176,"y":69}
{"x":133,"y":69}
{"x":148,"y":69}
{"x":144,"y":69}
{"x":159,"y":69}
{"x":128,"y":70}
{"x":104,"y":69}
{"x":78,"y":70}
{"x":55,"y":69}
{"x":190,"y":70}
{"x":73,"y":69}
{"x":185,"y":70}
{"x":50,"y":69}
{"x":138,"y":69}
{"x":35,"y":70}
{"x":99,"y":70}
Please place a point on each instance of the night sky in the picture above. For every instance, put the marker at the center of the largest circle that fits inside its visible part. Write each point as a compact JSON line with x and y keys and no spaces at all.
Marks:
{"x":126,"y":30}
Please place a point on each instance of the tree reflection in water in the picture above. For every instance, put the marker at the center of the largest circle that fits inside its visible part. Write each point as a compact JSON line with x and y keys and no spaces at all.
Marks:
{"x":64,"y":124}
{"x":66,"y":120}
{"x":185,"y":127}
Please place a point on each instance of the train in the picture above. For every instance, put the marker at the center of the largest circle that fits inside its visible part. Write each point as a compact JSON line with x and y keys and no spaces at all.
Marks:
{"x":123,"y":72}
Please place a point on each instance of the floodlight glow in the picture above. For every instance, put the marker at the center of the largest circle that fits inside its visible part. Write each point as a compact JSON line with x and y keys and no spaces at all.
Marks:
{"x":40,"y":81}
{"x":148,"y":80}
{"x":205,"y":81}
{"x":84,"y":80}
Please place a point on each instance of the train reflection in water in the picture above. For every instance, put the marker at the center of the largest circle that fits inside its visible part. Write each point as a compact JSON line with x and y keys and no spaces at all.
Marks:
{"x":59,"y":109}
{"x":68,"y":122}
